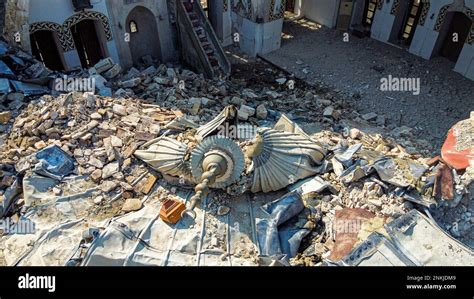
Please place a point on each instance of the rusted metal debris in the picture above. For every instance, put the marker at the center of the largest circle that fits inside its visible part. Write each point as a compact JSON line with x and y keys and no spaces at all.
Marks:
{"x":444,"y":182}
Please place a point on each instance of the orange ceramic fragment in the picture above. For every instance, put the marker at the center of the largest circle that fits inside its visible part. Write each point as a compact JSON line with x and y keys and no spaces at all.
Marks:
{"x":171,"y":211}
{"x":456,"y":159}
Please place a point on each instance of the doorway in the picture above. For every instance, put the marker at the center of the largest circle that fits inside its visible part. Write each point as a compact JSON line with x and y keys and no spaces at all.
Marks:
{"x":143,"y":31}
{"x":87,"y":38}
{"x":290,"y":6}
{"x":345,"y":15}
{"x":44,"y":46}
{"x":454,"y":32}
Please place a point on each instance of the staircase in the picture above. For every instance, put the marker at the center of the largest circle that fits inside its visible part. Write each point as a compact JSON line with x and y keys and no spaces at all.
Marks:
{"x":200,"y":47}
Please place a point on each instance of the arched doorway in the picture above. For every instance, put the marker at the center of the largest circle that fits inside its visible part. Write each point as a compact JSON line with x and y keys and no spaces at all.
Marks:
{"x":89,"y":40}
{"x":45,"y":48}
{"x":453,"y":34}
{"x":143,"y":30}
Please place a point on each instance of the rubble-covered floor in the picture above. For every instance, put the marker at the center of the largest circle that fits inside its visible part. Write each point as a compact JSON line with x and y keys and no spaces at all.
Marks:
{"x":355,"y":68}
{"x":106,"y":211}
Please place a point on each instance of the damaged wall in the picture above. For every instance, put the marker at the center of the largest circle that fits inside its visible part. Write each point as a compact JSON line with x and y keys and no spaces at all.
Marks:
{"x":120,"y":10}
{"x":16,"y":21}
{"x":59,"y":16}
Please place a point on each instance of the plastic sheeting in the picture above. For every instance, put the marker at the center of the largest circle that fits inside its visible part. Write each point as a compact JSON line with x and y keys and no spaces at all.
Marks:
{"x":414,"y":240}
{"x":54,"y":162}
{"x":277,"y":235}
{"x":59,"y":223}
{"x":143,"y":239}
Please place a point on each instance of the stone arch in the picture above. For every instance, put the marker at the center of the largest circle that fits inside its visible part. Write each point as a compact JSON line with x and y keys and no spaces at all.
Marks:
{"x":86,"y":15}
{"x":48,"y":43}
{"x":144,"y":41}
{"x":443,"y":12}
{"x":51,"y":26}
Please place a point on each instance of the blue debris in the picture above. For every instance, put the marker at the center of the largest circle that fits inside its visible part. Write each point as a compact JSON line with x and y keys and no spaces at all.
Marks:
{"x":29,"y":89}
{"x":54,"y":163}
{"x":5,"y":86}
{"x":5,"y":70}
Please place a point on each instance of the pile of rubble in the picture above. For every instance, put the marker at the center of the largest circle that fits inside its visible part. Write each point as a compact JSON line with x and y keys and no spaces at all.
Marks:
{"x":81,"y":143}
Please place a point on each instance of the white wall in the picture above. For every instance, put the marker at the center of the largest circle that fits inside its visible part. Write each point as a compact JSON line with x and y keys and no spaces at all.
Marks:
{"x":258,"y":38}
{"x":323,"y":12}
{"x":425,"y":39}
{"x":382,"y":23}
{"x":58,"y":11}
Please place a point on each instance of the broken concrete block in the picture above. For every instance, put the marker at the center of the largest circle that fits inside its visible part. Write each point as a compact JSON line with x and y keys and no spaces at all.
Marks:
{"x":96,"y":175}
{"x":309,"y":96}
{"x":162,"y":81}
{"x":99,"y":81}
{"x":96,"y":116}
{"x":131,"y":83}
{"x":237,"y":101}
{"x":247,"y":110}
{"x":92,"y":71}
{"x":132,"y":204}
{"x":98,"y":200}
{"x":119,"y":110}
{"x":354,"y":133}
{"x":149,"y":71}
{"x":261,"y":112}
{"x":108,"y":186}
{"x":325,"y":102}
{"x":96,"y":162}
{"x":37,"y":70}
{"x":369,"y":116}
{"x":15,"y":97}
{"x":328,"y":111}
{"x":121,"y":92}
{"x":196,"y":108}
{"x":170,"y":72}
{"x":40,"y":145}
{"x":104,"y":65}
{"x":113,"y":72}
{"x":149,"y":183}
{"x":206,"y":101}
{"x":5,"y":117}
{"x":110,"y":169}
{"x":105,"y":92}
{"x":380,"y":120}
{"x":132,"y":72}
{"x":115,"y":141}
{"x":241,"y":115}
